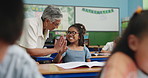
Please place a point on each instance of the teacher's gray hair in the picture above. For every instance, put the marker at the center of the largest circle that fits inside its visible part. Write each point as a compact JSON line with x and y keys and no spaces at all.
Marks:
{"x":51,"y":13}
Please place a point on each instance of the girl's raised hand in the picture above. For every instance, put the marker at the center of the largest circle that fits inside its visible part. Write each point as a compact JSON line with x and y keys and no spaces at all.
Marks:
{"x":59,"y":43}
{"x":63,"y":48}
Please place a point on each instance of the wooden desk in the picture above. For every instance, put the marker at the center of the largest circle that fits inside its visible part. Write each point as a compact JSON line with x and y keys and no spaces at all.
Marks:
{"x":99,"y":56}
{"x":52,"y":71}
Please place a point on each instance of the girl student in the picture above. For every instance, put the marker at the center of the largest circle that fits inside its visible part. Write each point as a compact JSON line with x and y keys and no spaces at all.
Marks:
{"x":129,"y":58}
{"x":76,"y":50}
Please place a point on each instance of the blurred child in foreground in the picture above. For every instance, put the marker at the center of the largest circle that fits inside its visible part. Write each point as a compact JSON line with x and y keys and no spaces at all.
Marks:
{"x":129,"y":58}
{"x":14,"y":61}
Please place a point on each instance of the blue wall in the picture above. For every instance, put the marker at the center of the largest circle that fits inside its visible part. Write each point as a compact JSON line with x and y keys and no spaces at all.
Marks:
{"x":132,"y":6}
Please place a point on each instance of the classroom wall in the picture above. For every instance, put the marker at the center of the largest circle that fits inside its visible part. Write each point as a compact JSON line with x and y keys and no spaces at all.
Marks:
{"x":98,"y":3}
{"x":132,"y":6}
{"x":96,"y":37}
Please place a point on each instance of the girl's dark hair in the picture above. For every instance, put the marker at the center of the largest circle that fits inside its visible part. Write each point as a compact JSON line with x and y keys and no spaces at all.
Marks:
{"x":11,"y":20}
{"x":138,"y":25}
{"x":81,"y":30}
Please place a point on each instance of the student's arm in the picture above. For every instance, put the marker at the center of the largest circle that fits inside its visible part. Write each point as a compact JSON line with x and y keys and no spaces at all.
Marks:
{"x":59,"y":56}
{"x":87,"y":54}
{"x":119,"y":65}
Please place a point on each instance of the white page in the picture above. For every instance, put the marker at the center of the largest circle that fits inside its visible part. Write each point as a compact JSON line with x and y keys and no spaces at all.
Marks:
{"x":71,"y":65}
{"x":91,"y":64}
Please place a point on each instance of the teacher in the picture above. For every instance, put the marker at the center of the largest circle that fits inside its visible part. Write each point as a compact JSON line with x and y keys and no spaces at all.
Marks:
{"x":36,"y":31}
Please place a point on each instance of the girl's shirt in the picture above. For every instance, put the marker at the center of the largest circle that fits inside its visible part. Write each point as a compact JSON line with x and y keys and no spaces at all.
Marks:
{"x":76,"y":56}
{"x":109,"y":46}
{"x":141,"y":74}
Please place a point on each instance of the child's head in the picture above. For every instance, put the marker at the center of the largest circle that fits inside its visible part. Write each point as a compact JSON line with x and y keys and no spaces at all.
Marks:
{"x":11,"y":20}
{"x":116,"y":40}
{"x":76,"y":33}
{"x":134,"y":41}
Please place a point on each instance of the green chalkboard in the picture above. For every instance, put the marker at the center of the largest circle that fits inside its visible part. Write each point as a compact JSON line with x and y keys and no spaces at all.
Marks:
{"x":100,"y":38}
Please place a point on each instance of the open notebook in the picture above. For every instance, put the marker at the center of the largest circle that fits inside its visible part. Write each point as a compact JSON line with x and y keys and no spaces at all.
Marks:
{"x":71,"y":65}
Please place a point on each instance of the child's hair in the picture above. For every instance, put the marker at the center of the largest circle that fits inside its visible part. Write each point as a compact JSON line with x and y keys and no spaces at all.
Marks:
{"x":117,"y":39}
{"x":81,"y":30}
{"x":11,"y":21}
{"x":138,"y":25}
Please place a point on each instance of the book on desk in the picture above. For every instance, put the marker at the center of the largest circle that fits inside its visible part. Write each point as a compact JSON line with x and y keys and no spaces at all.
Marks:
{"x":53,"y":71}
{"x":71,"y":65}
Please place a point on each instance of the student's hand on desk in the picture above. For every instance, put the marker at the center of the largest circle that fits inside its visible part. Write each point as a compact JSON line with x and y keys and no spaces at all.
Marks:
{"x":59,"y":43}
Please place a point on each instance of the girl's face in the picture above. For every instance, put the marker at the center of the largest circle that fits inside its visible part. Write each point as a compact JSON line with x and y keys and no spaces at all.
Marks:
{"x":141,"y":53}
{"x":72,"y":35}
